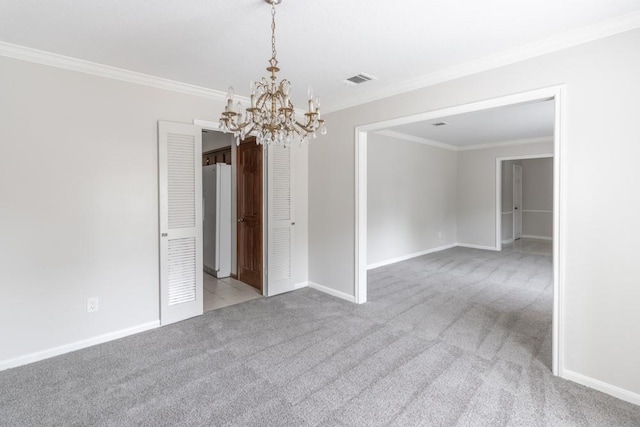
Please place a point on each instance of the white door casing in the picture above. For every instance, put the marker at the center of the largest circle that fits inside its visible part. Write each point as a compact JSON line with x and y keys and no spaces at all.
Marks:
{"x":224,"y":223}
{"x":558,"y":94}
{"x":281,"y":220}
{"x":180,"y":218}
{"x":517,"y":202}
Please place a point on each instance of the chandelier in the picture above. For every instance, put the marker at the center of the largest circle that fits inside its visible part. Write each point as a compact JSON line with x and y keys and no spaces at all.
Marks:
{"x":271,"y":116}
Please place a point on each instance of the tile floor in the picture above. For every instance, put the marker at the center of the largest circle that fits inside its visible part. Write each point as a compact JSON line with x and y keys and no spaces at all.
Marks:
{"x":530,"y":246}
{"x":227,"y":291}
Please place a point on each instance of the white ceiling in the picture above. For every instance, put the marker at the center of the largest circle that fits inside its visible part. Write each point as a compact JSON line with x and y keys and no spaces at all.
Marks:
{"x":504,"y":124}
{"x":216,"y":43}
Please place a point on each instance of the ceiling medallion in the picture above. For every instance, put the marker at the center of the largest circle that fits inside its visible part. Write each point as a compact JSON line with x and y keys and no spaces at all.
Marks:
{"x":271,"y":116}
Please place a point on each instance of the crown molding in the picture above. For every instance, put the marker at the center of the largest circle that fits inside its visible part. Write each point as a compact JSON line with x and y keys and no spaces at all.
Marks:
{"x":506,"y":143}
{"x":418,"y":139}
{"x":552,"y":44}
{"x":96,"y":69}
{"x":451,"y":147}
{"x":566,"y":40}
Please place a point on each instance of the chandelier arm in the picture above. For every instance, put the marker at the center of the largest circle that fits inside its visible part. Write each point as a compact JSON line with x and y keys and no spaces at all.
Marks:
{"x":306,"y":127}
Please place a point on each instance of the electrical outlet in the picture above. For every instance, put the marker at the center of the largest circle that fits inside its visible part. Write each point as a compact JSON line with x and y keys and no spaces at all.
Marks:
{"x":92,"y":305}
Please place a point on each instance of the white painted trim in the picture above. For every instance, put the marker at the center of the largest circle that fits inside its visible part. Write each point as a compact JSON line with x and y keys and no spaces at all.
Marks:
{"x":506,"y":143}
{"x":78,"y":345}
{"x":413,"y":255}
{"x":543,"y":94}
{"x":527,"y":236}
{"x":420,"y":140}
{"x":498,"y":191}
{"x":527,"y":157}
{"x":507,"y":213}
{"x":535,"y":211}
{"x":332,"y":292}
{"x":361,"y":217}
{"x":498,"y":197}
{"x":559,"y":229}
{"x":445,"y":146}
{"x":517,"y":171}
{"x":301,"y":285}
{"x":552,"y":44}
{"x":209,"y":125}
{"x":615,"y":391}
{"x":556,"y":43}
{"x":472,"y":246}
{"x":558,"y":93}
{"x":508,"y":241}
{"x":73,"y":64}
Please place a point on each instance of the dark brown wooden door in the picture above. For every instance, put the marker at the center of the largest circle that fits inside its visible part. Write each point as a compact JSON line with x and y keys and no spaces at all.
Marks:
{"x":250,"y":213}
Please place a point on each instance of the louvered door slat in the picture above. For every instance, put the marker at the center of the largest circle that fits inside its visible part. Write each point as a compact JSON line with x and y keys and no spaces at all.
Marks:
{"x":281,"y":266}
{"x":181,"y":183}
{"x":281,"y":184}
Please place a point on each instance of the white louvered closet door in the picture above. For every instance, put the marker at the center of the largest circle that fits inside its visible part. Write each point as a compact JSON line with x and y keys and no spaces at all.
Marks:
{"x":180,"y":181}
{"x":281,"y":221}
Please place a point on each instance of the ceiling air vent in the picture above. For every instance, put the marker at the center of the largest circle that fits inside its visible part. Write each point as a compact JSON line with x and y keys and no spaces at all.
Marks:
{"x":438,"y":124}
{"x":359,"y":79}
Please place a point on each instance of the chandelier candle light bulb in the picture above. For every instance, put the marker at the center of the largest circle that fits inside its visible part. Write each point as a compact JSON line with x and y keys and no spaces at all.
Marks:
{"x":271,"y":115}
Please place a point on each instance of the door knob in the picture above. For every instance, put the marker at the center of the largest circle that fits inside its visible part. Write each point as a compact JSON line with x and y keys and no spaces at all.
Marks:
{"x":240,"y":219}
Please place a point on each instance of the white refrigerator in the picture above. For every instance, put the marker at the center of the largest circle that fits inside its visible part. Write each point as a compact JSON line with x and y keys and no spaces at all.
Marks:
{"x":216,"y":192}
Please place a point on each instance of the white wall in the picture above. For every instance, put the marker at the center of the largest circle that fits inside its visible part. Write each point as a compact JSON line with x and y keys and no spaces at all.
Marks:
{"x":477,"y":190}
{"x":537,"y":198}
{"x":601,"y":149}
{"x":79,"y":204}
{"x":411,"y":198}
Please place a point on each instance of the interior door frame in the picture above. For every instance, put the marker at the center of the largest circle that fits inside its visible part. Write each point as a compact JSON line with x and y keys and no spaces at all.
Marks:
{"x":514,"y":207}
{"x":558,"y":94}
{"x":215,"y":126}
{"x":499,"y":161}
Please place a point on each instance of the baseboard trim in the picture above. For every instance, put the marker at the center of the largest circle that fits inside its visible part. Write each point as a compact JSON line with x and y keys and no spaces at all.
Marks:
{"x":526,"y":236}
{"x":507,"y":242}
{"x":332,"y":292}
{"x":78,"y":345}
{"x":615,"y":391}
{"x":406,"y":257}
{"x":472,"y":246}
{"x":301,"y":285}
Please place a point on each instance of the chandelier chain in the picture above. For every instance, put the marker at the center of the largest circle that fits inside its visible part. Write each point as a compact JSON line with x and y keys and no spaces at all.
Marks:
{"x":273,"y":31}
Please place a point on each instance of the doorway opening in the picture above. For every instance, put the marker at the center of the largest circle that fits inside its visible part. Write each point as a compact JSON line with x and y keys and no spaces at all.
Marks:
{"x":524,"y":208}
{"x":275,"y":249}
{"x":224,"y":203}
{"x":486,"y":241}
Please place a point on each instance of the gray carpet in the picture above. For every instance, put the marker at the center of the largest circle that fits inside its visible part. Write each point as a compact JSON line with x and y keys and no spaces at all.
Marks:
{"x":460,"y":337}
